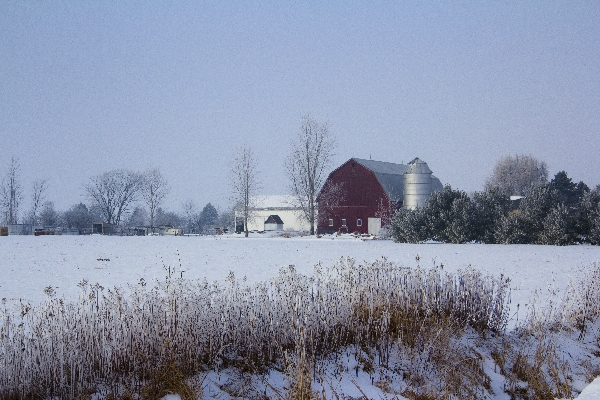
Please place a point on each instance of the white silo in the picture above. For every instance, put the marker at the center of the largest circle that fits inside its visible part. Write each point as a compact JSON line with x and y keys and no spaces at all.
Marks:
{"x":417,"y":184}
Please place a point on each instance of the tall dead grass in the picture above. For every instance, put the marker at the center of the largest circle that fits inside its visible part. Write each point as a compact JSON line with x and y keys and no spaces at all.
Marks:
{"x":122,"y":340}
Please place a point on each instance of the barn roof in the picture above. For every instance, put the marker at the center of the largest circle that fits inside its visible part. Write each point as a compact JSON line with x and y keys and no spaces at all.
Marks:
{"x":274,"y":219}
{"x":391,"y":176}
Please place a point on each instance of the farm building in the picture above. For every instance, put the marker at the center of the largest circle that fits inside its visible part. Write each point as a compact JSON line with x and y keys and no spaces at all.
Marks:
{"x":20,"y":229}
{"x":361,"y":194}
{"x":273,"y":223}
{"x":103,"y":228}
{"x":281,"y":206}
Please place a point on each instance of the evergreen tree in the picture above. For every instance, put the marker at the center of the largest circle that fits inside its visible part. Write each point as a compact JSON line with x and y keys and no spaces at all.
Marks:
{"x":208,"y":217}
{"x":594,"y":234}
{"x":526,"y":225}
{"x":138,"y":217}
{"x":78,"y":217}
{"x":408,"y":226}
{"x":569,"y":192}
{"x":534,"y":208}
{"x":490,"y":206}
{"x":49,"y":216}
{"x":556,"y":227}
{"x":512,"y":229}
{"x":460,"y":228}
{"x":449,"y":216}
{"x":587,"y":219}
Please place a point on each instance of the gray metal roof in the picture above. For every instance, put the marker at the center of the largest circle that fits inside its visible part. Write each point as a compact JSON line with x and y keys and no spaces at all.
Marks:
{"x":417,"y":166}
{"x":382,"y":167}
{"x":391,"y":176}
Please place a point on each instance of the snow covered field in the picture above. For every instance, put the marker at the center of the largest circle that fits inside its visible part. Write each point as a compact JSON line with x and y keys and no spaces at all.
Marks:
{"x":30,"y":264}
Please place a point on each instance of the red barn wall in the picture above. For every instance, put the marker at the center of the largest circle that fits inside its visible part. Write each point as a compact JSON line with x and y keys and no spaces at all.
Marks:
{"x":362,"y":198}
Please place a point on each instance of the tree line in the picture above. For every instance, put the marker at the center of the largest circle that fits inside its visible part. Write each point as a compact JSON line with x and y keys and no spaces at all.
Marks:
{"x":129,"y":198}
{"x":555,"y":212}
{"x":119,"y":197}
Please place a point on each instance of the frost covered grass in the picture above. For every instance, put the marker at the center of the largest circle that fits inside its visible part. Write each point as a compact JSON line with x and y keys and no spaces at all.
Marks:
{"x":111,"y":343}
{"x":550,"y":346}
{"x":557,"y":347}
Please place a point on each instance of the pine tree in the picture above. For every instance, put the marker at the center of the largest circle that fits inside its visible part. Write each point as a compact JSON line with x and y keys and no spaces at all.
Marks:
{"x":512,"y":228}
{"x":408,"y":226}
{"x":569,"y":192}
{"x":449,"y":216}
{"x":594,"y":235}
{"x":461,"y":223}
{"x":208,"y":217}
{"x":490,"y":206}
{"x":587,"y":219}
{"x":534,"y":208}
{"x":556,"y":227}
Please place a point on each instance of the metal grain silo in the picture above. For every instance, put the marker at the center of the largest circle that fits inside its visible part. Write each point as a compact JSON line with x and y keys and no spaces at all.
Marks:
{"x":417,"y":184}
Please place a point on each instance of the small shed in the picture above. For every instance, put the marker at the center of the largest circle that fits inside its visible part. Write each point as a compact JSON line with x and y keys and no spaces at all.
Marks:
{"x":102,"y":228}
{"x":273,"y":223}
{"x":170,"y":231}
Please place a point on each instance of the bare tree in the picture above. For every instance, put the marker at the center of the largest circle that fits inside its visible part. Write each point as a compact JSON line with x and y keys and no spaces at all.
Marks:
{"x":328,"y":199}
{"x":48,"y":215}
{"x":516,"y":175}
{"x":243,"y":178}
{"x":190,"y":213}
{"x":38,"y":190}
{"x":169,"y":218}
{"x":155,"y":189}
{"x":226,"y":218}
{"x":307,"y":165}
{"x":10,"y":193}
{"x":113,"y":192}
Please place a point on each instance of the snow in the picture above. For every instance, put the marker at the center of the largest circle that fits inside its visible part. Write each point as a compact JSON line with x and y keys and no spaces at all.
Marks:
{"x":592,"y":391}
{"x":29,"y":264}
{"x":274,"y":201}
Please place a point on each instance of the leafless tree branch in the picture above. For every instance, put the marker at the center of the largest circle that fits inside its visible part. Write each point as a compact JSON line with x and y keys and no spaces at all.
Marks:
{"x":113,"y":192}
{"x":11,"y":193}
{"x":244,"y":183}
{"x":307,"y":166}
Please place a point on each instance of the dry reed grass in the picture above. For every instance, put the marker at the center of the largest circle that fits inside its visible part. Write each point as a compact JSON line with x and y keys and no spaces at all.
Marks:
{"x":116,"y":338}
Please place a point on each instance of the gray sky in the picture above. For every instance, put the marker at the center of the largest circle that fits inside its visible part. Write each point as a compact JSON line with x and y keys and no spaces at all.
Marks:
{"x":86,"y":87}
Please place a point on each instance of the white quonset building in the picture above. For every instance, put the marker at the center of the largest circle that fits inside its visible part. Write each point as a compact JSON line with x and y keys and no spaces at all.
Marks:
{"x":274,"y":212}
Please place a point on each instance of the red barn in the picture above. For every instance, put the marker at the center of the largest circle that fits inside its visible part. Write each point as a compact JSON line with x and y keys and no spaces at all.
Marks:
{"x":360,"y":195}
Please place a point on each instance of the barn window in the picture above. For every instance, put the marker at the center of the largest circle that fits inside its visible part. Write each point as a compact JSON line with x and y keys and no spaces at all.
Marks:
{"x":344,"y":222}
{"x":359,"y":222}
{"x":330,"y":222}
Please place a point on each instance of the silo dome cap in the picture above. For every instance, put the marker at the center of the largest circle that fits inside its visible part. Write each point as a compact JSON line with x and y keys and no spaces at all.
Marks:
{"x":417,"y":166}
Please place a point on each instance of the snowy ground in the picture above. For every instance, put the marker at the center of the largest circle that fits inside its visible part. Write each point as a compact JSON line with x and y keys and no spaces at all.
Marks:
{"x":29,"y":264}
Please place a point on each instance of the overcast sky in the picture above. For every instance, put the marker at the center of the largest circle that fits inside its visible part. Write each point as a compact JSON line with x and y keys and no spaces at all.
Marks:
{"x":86,"y":87}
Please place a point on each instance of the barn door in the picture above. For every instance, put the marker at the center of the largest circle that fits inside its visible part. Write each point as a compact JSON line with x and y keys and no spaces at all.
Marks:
{"x":374,"y":226}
